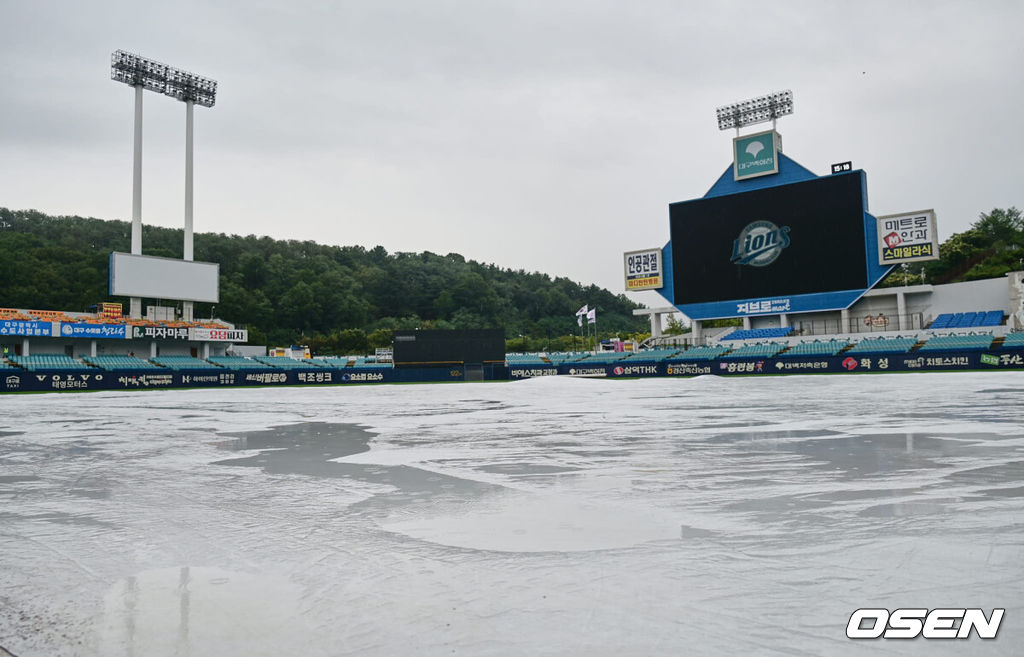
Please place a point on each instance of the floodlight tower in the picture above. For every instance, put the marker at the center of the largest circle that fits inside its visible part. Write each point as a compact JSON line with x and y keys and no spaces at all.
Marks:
{"x":755,"y":110}
{"x":142,"y":73}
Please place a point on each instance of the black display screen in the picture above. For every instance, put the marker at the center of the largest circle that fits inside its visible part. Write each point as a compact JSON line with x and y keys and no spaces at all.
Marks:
{"x":799,"y":238}
{"x":434,"y":347}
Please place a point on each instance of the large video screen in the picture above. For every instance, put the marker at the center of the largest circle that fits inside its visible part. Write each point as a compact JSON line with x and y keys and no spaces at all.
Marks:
{"x":800,"y":238}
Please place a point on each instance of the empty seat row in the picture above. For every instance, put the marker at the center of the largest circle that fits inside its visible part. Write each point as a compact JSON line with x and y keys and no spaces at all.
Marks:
{"x":654,"y":354}
{"x":818,"y":348}
{"x":237,"y":363}
{"x":45,"y":362}
{"x":758,"y":334}
{"x":883,"y":345}
{"x":701,"y":353}
{"x":284,"y":362}
{"x":968,"y":319}
{"x":943,"y":342}
{"x":183,"y":363}
{"x":120,"y":363}
{"x":761,"y":350}
{"x":1013,"y":340}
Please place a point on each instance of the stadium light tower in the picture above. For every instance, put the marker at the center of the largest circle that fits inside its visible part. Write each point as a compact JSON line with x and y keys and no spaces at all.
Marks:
{"x":142,"y":73}
{"x":756,"y":110}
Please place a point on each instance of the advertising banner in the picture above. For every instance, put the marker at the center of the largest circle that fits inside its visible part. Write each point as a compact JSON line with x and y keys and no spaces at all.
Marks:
{"x":160,"y":332}
{"x":218,"y":335}
{"x":533,"y":371}
{"x":1010,"y":359}
{"x":909,"y":237}
{"x":105,"y":331}
{"x":643,"y":270}
{"x":26,"y":328}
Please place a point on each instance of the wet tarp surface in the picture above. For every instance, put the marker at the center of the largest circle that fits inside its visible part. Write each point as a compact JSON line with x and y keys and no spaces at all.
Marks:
{"x":554,"y":516}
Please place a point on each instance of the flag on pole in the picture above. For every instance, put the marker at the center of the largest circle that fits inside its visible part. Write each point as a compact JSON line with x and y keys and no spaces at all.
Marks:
{"x":579,"y":320}
{"x":581,"y":311}
{"x":592,"y":316}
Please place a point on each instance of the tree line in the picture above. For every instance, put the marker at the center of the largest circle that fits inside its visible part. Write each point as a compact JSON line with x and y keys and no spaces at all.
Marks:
{"x":337,"y":299}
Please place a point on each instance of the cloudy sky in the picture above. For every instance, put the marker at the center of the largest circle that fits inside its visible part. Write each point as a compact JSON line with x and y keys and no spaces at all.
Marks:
{"x":545,"y":136}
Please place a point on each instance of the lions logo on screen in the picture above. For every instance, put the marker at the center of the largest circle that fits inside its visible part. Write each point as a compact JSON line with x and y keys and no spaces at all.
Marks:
{"x":759,"y":244}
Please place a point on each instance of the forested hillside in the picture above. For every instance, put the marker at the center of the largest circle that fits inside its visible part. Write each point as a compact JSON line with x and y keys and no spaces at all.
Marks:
{"x":338,"y":299}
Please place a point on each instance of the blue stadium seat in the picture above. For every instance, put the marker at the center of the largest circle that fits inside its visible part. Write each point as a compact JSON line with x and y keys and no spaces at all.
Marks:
{"x":883,"y":346}
{"x":826,"y":348}
{"x":758,"y":334}
{"x":958,"y":342}
{"x":765,"y":350}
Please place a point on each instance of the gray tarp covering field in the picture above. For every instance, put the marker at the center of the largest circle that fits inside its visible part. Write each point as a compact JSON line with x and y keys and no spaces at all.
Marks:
{"x":556,"y":516}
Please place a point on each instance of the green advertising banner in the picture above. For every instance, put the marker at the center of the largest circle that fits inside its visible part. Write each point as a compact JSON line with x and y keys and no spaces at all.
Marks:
{"x":755,"y":155}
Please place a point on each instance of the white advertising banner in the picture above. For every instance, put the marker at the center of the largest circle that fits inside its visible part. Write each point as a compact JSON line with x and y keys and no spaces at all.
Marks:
{"x":218,"y":335}
{"x":907,"y":237}
{"x":643,"y":270}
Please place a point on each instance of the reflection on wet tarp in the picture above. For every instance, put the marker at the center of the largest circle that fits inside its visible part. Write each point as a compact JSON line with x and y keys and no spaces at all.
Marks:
{"x":557,"y":516}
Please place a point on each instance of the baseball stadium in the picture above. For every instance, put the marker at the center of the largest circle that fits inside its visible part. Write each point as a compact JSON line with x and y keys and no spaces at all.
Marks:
{"x":818,"y":459}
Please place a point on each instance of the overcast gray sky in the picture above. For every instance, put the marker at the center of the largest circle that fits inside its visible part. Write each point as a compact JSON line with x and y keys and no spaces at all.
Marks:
{"x":545,"y":136}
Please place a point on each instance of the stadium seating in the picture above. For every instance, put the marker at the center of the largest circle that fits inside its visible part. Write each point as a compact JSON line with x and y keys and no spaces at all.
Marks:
{"x":4,"y":365}
{"x":759,"y":334}
{"x":968,"y":319}
{"x":600,"y":357}
{"x":183,"y":363}
{"x":334,"y":362}
{"x":1014,"y":341}
{"x":237,"y":363}
{"x":286,"y":363}
{"x":883,"y":346}
{"x":701,"y":353}
{"x":958,"y":342}
{"x":760,"y":350}
{"x":370,"y":363}
{"x":120,"y":363}
{"x":525,"y":359}
{"x":817,"y":348}
{"x":559,"y":357}
{"x":49,"y":362}
{"x":654,"y":354}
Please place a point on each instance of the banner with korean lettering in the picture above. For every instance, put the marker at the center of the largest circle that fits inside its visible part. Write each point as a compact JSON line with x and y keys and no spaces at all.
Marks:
{"x":643,"y":270}
{"x":26,"y":328}
{"x":219,"y":335}
{"x":909,"y":237}
{"x":103,"y":331}
{"x":160,"y":332}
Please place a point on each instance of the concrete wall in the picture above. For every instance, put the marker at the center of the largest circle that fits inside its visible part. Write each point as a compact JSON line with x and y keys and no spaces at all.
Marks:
{"x":988,"y":294}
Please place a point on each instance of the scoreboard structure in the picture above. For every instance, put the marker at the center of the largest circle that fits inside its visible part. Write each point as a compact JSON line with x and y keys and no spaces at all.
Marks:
{"x":791,"y":242}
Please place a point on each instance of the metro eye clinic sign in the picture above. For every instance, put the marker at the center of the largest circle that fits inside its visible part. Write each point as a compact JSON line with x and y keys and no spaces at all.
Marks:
{"x":907,"y":237}
{"x":755,"y":155}
{"x":643,"y":270}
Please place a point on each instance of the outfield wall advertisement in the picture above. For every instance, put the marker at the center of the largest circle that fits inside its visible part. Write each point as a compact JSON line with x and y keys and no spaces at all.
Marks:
{"x":858,"y":364}
{"x":24,"y":381}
